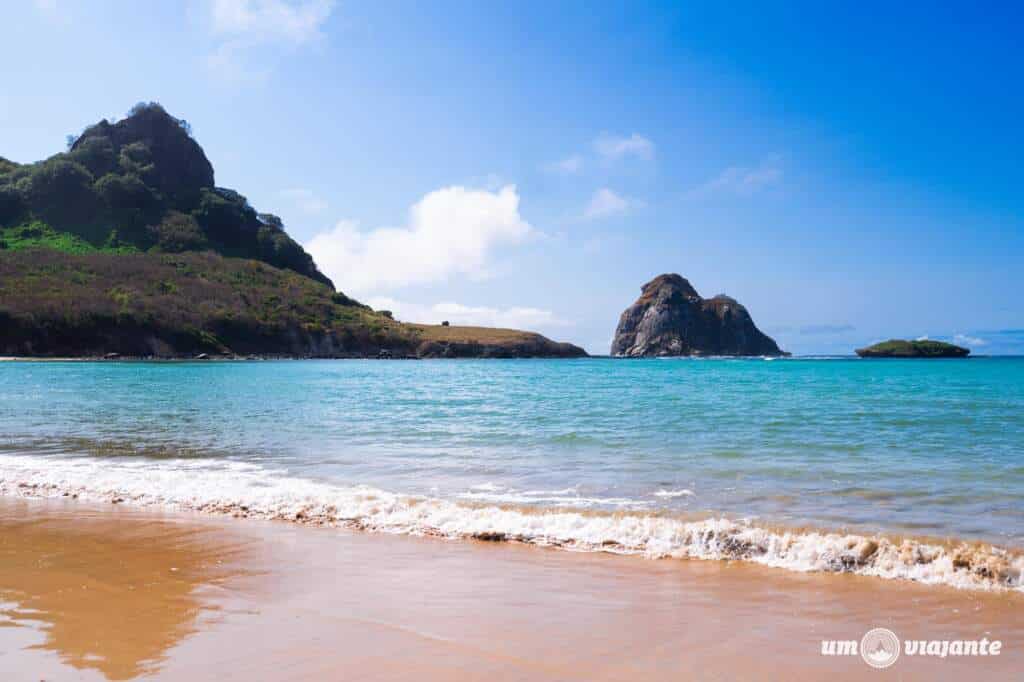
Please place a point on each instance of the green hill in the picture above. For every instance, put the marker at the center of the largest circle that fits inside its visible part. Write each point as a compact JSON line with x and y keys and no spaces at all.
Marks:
{"x":139,"y":185}
{"x":124,"y":244}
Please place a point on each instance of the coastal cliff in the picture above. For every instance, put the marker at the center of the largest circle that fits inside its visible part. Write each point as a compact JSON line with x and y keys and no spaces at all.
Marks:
{"x":671,"y":319}
{"x":124,"y":245}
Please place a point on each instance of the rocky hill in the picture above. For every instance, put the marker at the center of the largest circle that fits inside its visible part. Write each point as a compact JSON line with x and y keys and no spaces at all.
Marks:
{"x":139,"y":185}
{"x":671,"y":319}
{"x":124,"y":245}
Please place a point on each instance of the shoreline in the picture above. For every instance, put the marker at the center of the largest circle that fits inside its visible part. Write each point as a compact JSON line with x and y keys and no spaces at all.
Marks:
{"x":887,"y":557}
{"x":324,"y":602}
{"x":276,"y":358}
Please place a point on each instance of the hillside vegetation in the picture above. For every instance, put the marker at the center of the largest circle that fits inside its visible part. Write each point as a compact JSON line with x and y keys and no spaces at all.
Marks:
{"x":58,"y":303}
{"x":139,"y":185}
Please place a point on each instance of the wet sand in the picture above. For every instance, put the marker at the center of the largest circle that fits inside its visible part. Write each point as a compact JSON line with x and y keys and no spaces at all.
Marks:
{"x":107,"y":592}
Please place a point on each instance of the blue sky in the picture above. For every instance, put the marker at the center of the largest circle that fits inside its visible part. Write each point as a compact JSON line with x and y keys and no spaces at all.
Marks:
{"x":847,"y":174}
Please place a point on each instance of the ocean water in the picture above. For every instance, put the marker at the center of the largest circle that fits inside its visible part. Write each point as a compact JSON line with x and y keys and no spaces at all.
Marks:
{"x":896,"y":468}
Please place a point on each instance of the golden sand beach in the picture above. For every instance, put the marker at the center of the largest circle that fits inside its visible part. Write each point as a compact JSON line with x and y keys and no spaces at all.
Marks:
{"x":111,"y":593}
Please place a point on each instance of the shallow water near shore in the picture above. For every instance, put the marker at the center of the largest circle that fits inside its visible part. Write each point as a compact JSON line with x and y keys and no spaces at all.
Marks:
{"x":797,"y":463}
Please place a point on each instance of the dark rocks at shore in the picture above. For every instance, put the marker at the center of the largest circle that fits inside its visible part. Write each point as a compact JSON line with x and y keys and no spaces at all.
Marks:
{"x":671,"y":319}
{"x":899,"y":348}
{"x":426,"y":351}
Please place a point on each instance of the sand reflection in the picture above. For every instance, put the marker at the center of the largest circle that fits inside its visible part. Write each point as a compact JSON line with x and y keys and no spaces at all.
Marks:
{"x":110,"y":593}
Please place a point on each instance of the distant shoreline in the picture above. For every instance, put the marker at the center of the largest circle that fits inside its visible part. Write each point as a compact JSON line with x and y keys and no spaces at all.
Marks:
{"x":266,"y":358}
{"x":271,"y":358}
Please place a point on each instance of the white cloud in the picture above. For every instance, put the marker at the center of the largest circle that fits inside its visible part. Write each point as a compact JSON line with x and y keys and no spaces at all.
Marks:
{"x":741,"y":180}
{"x":53,"y":11}
{"x":606,"y":203}
{"x":266,"y":21}
{"x":246,"y":29}
{"x":606,"y":147}
{"x":614,"y":147}
{"x":305,"y":200}
{"x":228,"y":64}
{"x":450,"y":231}
{"x":969,"y":341}
{"x":570,"y":165}
{"x":474,"y":316}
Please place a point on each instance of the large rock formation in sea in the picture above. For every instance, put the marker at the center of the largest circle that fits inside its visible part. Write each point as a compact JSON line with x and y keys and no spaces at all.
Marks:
{"x":670,"y":318}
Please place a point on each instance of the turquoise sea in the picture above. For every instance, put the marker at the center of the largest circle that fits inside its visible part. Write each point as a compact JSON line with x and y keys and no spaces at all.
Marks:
{"x":801,"y":463}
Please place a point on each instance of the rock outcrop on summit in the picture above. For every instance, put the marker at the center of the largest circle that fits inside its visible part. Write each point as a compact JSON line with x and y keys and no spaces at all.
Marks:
{"x":671,"y":319}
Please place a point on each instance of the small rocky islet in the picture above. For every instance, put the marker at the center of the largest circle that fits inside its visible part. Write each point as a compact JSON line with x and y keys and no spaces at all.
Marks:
{"x":923,"y":348}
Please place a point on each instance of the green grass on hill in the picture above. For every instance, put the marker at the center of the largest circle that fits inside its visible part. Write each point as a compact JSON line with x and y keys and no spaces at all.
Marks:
{"x":38,"y":234}
{"x":140,"y":184}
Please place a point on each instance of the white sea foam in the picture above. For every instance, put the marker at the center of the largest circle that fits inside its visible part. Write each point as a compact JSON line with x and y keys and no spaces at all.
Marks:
{"x":670,"y":494}
{"x":488,"y":487}
{"x":247,"y":490}
{"x":567,"y":497}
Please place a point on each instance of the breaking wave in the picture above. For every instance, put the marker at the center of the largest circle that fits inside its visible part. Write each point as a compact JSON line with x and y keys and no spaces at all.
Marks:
{"x":672,"y":494}
{"x":248,"y":490}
